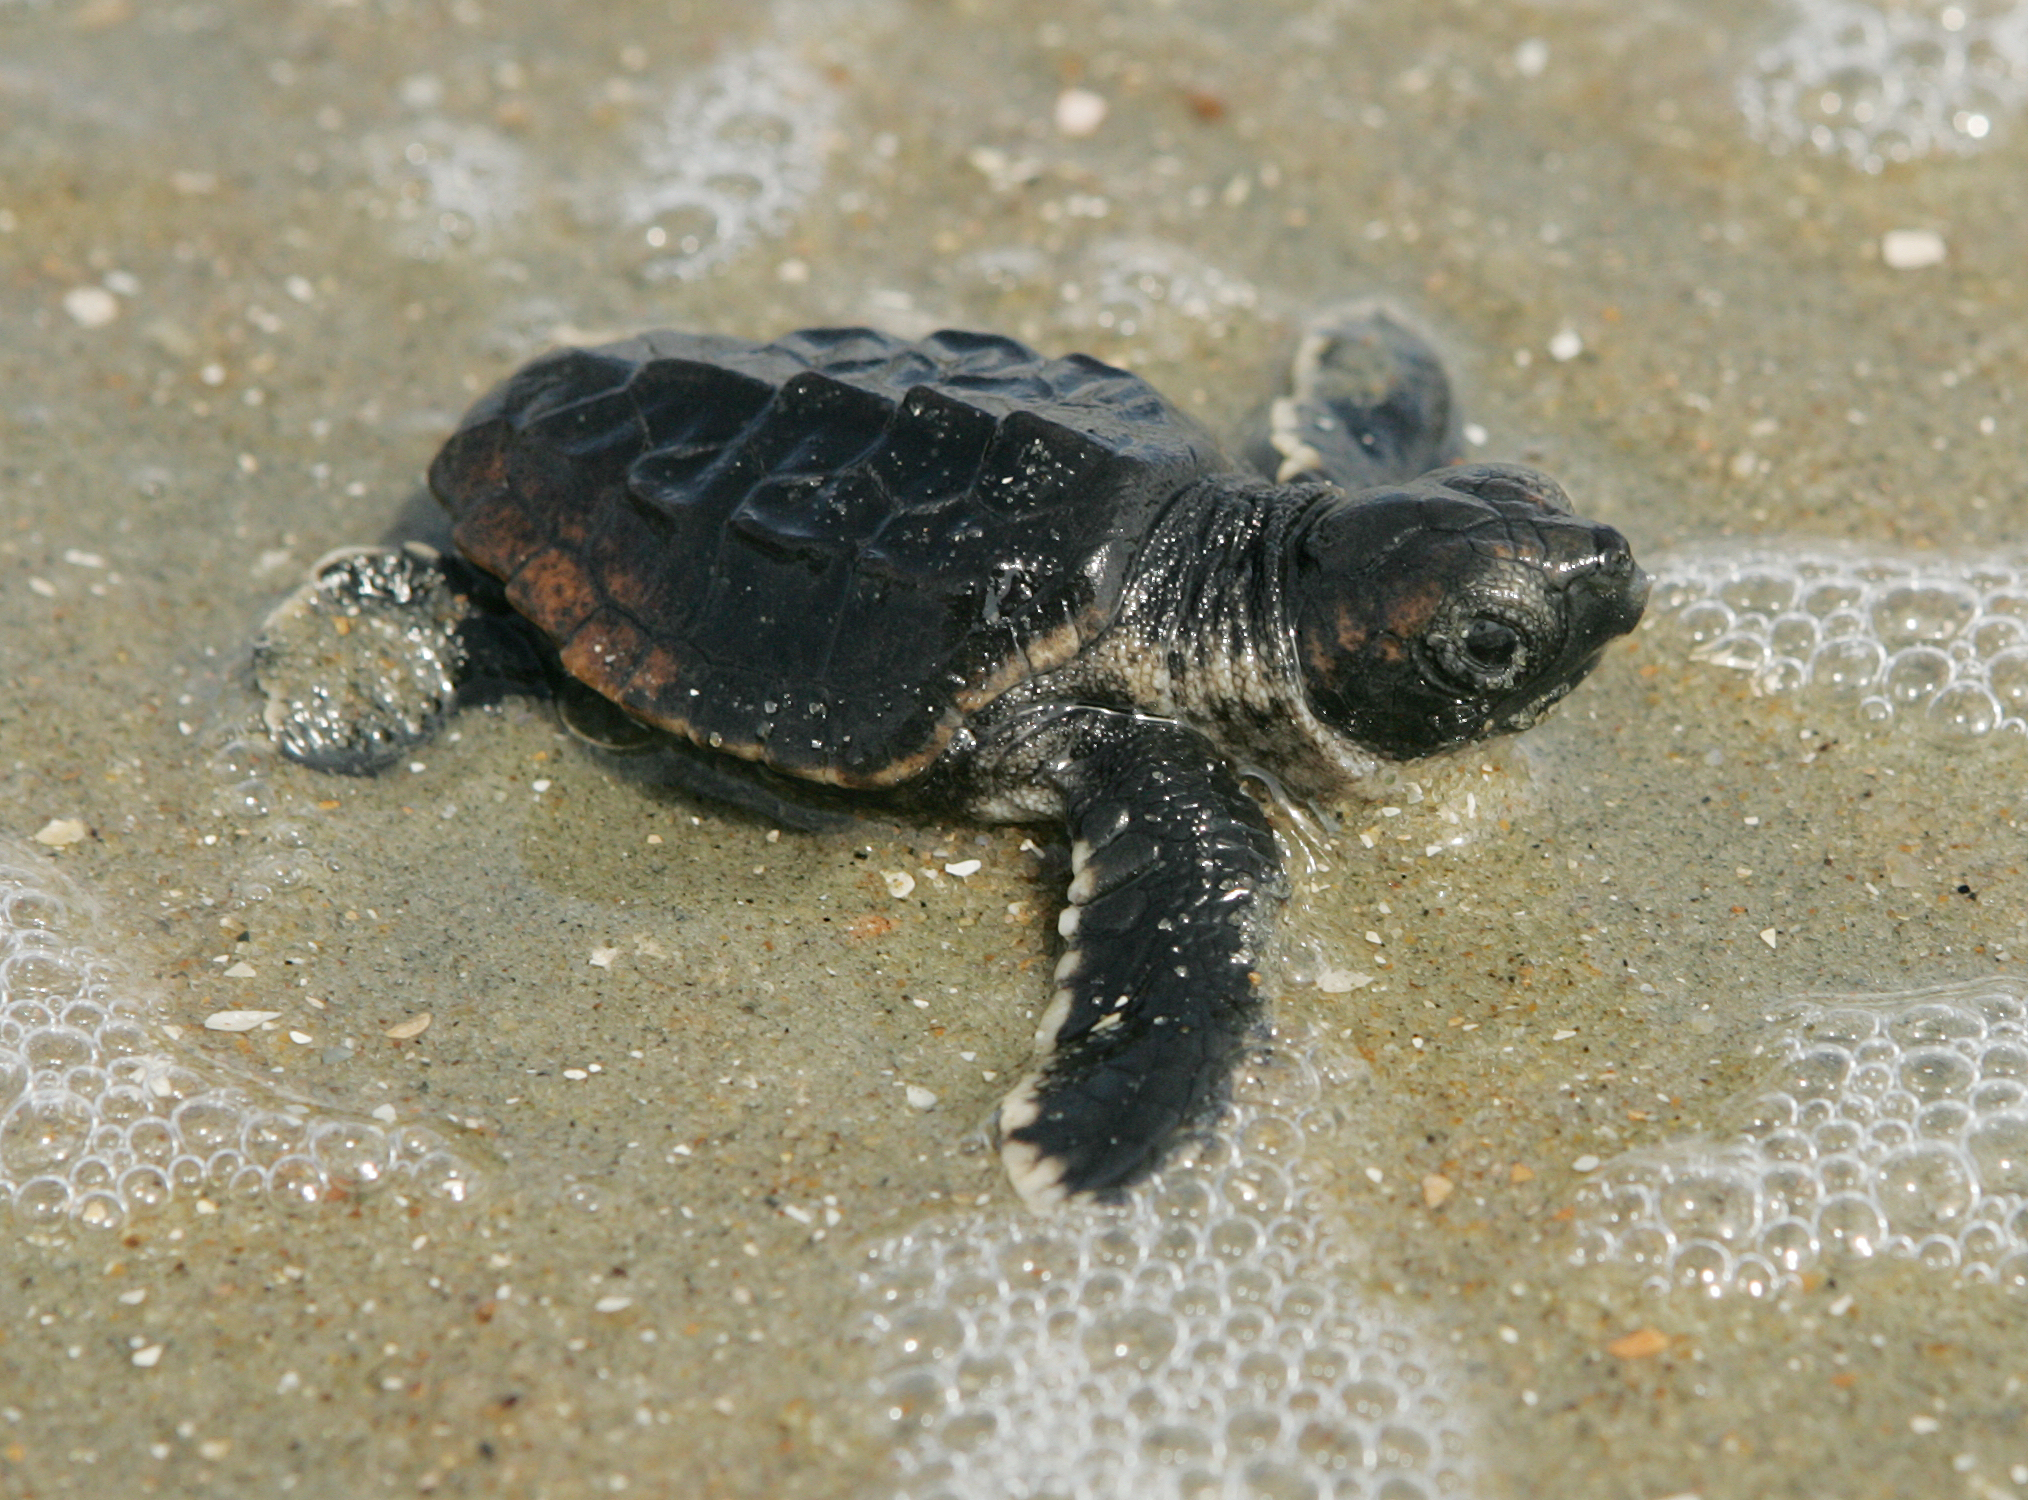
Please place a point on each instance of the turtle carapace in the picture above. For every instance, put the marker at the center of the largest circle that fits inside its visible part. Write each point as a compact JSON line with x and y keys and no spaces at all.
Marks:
{"x":963,"y":578}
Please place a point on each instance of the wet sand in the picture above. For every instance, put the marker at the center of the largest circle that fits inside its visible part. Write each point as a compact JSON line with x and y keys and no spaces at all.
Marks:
{"x":259,"y":257}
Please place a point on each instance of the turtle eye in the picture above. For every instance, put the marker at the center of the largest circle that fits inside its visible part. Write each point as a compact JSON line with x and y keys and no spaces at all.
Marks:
{"x":1491,"y":645}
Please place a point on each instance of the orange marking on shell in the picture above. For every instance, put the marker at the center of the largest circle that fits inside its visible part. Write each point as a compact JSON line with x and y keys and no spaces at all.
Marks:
{"x":552,"y":589}
{"x":602,"y":651}
{"x":635,"y":588}
{"x":498,"y":535}
{"x":656,"y":678}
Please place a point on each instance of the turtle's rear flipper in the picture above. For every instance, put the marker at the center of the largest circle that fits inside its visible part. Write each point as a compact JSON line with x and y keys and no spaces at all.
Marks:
{"x":1369,"y":402}
{"x":363,"y":663}
{"x":1158,"y":990}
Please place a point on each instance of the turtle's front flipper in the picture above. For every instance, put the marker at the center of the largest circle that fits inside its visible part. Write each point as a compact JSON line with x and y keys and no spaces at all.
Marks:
{"x":1369,"y":402}
{"x":1159,"y":986}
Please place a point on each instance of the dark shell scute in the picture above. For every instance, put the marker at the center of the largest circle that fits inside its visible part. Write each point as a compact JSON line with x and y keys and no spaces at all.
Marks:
{"x":819,"y":552}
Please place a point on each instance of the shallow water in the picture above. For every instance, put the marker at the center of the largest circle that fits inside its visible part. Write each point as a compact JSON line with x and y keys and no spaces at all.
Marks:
{"x":705,"y":1212}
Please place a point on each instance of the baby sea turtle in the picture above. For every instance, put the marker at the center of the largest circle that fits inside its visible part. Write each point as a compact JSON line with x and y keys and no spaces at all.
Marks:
{"x":963,"y":578}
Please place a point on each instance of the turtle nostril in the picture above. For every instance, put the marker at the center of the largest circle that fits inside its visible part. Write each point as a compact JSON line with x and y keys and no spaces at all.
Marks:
{"x":1616,"y":558}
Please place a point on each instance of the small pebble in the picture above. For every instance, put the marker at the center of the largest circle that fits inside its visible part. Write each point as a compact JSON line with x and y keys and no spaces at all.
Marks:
{"x":899,"y":882}
{"x":58,"y":832}
{"x":413,"y":1027}
{"x":1436,"y":1188}
{"x":1565,"y":345}
{"x":1079,"y":112}
{"x":920,"y":1097}
{"x":602,"y":958}
{"x":237,"y":1020}
{"x":1767,"y":935}
{"x":1912,"y":249}
{"x":612,"y":1304}
{"x":1639,"y":1344}
{"x":241,"y":970}
{"x":146,"y":1359}
{"x":1585,"y":1164}
{"x":1342,"y":981}
{"x":91,"y":306}
{"x":964,"y":867}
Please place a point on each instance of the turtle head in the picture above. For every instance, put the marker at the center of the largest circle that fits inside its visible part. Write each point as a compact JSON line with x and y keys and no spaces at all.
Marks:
{"x":1461,"y":605}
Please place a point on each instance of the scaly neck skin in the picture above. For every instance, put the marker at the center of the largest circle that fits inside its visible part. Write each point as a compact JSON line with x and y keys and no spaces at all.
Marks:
{"x":1204,"y":636}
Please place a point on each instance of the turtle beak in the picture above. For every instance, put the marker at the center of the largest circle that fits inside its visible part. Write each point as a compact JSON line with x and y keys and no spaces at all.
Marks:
{"x":1604,"y":596}
{"x":1607,"y":596}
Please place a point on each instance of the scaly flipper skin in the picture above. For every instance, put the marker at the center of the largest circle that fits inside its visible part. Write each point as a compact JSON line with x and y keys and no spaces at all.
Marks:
{"x":1176,"y":879}
{"x":1369,"y":401}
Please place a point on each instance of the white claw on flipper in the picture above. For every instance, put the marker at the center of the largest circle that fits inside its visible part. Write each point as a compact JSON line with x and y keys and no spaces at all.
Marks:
{"x":1037,"y":1177}
{"x":1052,"y":1021}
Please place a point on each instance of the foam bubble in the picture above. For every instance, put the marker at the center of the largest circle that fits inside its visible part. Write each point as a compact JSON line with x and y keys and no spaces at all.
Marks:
{"x":1940,"y":643}
{"x":738,"y":151}
{"x":1199,"y":1340}
{"x":1892,"y":1125}
{"x":99,"y":1121}
{"x":1153,"y":288}
{"x":1880,"y":84}
{"x":445,"y":184}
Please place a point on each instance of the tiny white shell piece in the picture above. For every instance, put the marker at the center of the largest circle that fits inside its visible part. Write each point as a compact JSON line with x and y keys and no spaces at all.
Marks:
{"x":237,"y":1020}
{"x":1079,"y":112}
{"x":1912,"y":249}
{"x":58,"y":832}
